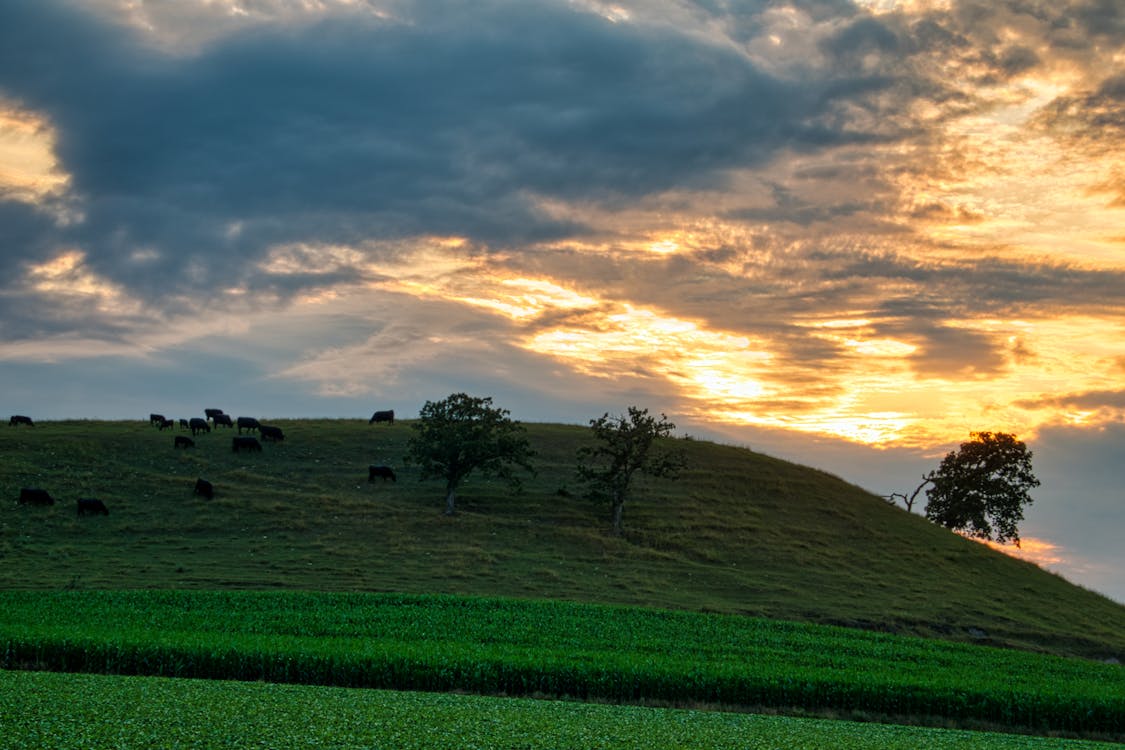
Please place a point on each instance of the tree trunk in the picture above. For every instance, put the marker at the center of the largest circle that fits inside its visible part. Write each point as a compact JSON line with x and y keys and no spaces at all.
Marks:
{"x":618,"y":507}
{"x":450,"y":496}
{"x":910,"y":503}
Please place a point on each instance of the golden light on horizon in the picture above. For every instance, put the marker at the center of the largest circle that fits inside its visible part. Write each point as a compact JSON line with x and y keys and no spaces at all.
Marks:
{"x":880,"y":389}
{"x":1038,"y":551}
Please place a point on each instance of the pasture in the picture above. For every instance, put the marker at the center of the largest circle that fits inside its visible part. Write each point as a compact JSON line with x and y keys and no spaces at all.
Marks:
{"x":739,"y":532}
{"x":166,"y":583}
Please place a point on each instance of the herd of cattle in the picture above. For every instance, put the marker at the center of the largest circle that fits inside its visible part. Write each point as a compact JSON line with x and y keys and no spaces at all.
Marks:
{"x":213,"y":419}
{"x":216,"y":418}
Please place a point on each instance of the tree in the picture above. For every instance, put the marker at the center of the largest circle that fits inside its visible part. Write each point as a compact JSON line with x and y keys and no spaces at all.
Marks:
{"x":982,"y":488}
{"x":461,"y":434}
{"x":907,"y":501}
{"x":624,"y":449}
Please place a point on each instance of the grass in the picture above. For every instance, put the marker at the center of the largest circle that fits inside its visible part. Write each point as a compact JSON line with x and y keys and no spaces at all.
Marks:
{"x":739,"y":532}
{"x":96,"y":712}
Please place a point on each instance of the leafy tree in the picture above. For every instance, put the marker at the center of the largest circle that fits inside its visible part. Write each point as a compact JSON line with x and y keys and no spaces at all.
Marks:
{"x":461,"y":434}
{"x":982,"y":488}
{"x":623,"y":449}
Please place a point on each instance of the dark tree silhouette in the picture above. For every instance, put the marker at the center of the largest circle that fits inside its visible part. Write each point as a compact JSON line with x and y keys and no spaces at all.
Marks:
{"x":461,"y":434}
{"x":982,"y":488}
{"x":623,"y":449}
{"x":907,"y":500}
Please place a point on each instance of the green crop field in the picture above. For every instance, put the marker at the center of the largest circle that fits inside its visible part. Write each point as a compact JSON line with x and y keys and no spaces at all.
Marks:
{"x":98,"y":713}
{"x":512,"y":647}
{"x":738,"y":538}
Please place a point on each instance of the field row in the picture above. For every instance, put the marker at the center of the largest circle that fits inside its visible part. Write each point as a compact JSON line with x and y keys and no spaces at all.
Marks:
{"x":40,"y":709}
{"x":589,"y":652}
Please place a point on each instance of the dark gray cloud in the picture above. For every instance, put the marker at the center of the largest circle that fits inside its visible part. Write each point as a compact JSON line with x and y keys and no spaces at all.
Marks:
{"x":454,"y":121}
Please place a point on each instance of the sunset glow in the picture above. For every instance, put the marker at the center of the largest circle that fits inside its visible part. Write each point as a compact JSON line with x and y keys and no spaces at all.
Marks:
{"x":28,"y":167}
{"x":67,"y":276}
{"x":1039,"y":551}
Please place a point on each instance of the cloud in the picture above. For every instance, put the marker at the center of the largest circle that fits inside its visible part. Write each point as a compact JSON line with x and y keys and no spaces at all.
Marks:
{"x":478,"y":120}
{"x":1087,"y":400}
{"x":450,"y":120}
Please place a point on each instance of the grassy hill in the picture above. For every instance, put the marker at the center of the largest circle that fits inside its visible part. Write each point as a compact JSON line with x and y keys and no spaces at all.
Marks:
{"x":739,"y":532}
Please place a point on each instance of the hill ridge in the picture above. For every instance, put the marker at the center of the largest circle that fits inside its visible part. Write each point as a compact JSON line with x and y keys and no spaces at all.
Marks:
{"x":739,"y":532}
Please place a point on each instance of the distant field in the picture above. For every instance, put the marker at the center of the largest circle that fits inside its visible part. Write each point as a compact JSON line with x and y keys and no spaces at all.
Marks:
{"x":98,"y":713}
{"x":740,"y":532}
{"x":583,"y":651}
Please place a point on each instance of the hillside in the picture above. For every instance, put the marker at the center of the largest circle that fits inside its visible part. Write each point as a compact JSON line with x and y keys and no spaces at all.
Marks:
{"x":738,"y":532}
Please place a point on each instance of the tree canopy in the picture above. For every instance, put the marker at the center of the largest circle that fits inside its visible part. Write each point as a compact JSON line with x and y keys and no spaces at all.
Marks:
{"x":461,"y":434}
{"x":623,"y":448}
{"x":981,"y":489}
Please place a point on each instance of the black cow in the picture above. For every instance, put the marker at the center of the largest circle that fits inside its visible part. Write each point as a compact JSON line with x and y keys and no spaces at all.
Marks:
{"x":183,"y":441}
{"x":18,"y":419}
{"x":269,"y":432}
{"x":166,"y":423}
{"x":210,"y":413}
{"x":155,"y":419}
{"x":90,"y":506}
{"x":386,"y":472}
{"x":184,"y":424}
{"x":35,"y":496}
{"x":222,"y":419}
{"x":382,"y":416}
{"x":248,"y":443}
{"x":249,"y":423}
{"x":198,"y":425}
{"x":203,"y":487}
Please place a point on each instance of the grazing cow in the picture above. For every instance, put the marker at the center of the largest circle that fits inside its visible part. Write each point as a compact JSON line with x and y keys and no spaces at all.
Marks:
{"x":269,"y":432}
{"x":166,"y":423}
{"x":155,"y":419}
{"x":203,"y":487}
{"x":90,"y":506}
{"x":184,"y":424}
{"x":210,"y":413}
{"x":249,"y":423}
{"x":222,"y":419}
{"x":18,"y":419}
{"x":382,"y":416}
{"x":239,"y":444}
{"x":35,"y":496}
{"x":386,"y":472}
{"x":183,"y":441}
{"x":198,"y":425}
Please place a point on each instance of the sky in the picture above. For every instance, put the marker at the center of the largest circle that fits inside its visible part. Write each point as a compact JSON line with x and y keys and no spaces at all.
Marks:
{"x":845,"y":233}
